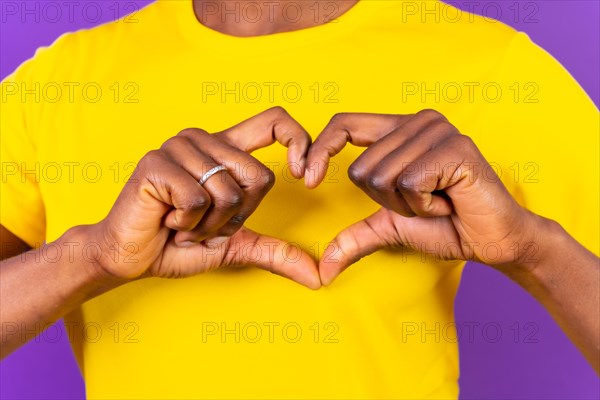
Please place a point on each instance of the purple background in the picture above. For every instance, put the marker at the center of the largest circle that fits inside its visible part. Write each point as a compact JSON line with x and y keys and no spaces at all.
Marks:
{"x":543,"y":365}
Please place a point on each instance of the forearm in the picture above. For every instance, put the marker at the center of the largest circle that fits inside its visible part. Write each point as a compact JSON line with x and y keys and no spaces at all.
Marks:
{"x":565,"y":278}
{"x":40,"y":286}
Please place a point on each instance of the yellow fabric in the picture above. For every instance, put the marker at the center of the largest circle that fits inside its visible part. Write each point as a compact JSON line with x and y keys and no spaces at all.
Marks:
{"x":167,"y":67}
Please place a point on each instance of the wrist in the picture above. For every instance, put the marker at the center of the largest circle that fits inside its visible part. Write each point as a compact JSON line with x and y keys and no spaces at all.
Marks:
{"x":541,"y":241}
{"x":88,"y":257}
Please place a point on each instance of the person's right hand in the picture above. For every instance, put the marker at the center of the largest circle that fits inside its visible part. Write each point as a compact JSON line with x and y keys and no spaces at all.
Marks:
{"x":166,"y":224}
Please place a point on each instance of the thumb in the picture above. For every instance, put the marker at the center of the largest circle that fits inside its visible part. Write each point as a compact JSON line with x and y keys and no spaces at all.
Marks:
{"x":271,"y":254}
{"x":356,"y":241}
{"x":382,"y":229}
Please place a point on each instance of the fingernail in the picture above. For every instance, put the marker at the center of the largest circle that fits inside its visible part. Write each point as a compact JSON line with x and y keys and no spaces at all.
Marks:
{"x":297,"y":169}
{"x":301,"y":168}
{"x":309,"y":178}
{"x":327,"y":281}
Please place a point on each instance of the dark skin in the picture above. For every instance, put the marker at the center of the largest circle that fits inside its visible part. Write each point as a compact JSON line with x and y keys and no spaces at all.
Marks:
{"x":179,"y":227}
{"x":274,"y":18}
{"x":460,"y":207}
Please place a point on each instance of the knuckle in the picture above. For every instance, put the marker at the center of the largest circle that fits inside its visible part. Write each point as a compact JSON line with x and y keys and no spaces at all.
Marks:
{"x":195,"y":203}
{"x":408,"y":182}
{"x":266,"y":179}
{"x":174,"y":142}
{"x":357,"y":174}
{"x":430,"y":113}
{"x":399,"y":118}
{"x":150,"y":159}
{"x":232,"y":200}
{"x":377,"y":182}
{"x":438,"y":131}
{"x":278,"y":112}
{"x":338,"y":118}
{"x":191,"y":133}
{"x":440,"y":126}
{"x":468,"y":140}
{"x":462,"y":142}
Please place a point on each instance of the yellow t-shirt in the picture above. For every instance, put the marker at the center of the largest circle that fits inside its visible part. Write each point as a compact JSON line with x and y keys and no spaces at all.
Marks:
{"x":79,"y":115}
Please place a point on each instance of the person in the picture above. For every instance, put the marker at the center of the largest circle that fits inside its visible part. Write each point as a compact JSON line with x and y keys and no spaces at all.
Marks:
{"x":479,"y":146}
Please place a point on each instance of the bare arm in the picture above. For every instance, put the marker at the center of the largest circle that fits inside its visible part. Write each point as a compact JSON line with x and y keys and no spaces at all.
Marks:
{"x":36,"y":290}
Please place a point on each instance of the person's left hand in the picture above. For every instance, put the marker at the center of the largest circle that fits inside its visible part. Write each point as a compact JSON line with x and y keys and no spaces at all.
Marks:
{"x":439,"y":194}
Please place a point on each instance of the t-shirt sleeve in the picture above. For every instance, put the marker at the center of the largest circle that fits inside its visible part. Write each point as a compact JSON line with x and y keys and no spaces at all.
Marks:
{"x":546,"y":139}
{"x":21,"y":201}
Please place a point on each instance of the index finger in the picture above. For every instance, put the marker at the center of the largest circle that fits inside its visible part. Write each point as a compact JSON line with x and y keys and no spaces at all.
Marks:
{"x":264,"y":129}
{"x":359,"y":129}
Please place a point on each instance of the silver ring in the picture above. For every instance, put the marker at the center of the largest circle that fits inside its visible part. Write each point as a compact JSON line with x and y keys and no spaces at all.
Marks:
{"x":210,"y":173}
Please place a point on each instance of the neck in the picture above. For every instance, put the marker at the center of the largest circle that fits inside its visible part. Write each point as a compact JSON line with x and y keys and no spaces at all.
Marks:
{"x":256,"y":18}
